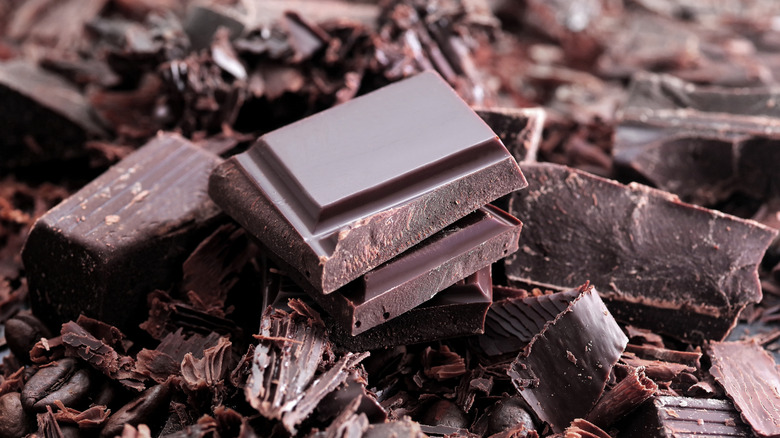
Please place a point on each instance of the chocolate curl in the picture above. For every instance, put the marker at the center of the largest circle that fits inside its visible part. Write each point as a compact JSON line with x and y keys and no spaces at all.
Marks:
{"x":584,"y":429}
{"x":629,"y":393}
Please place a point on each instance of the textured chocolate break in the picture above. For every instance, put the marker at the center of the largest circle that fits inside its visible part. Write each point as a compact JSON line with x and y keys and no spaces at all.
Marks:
{"x":339,"y":193}
{"x":123,"y":235}
{"x":520,"y":129}
{"x":658,"y":263}
{"x":751,"y":380}
{"x":564,"y":369}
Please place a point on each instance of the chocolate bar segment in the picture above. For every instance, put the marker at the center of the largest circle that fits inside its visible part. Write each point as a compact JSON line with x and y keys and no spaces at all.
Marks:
{"x":564,"y":369}
{"x":671,"y":416}
{"x":44,"y":117}
{"x":751,"y":380}
{"x":125,"y":234}
{"x":658,"y":263}
{"x":520,"y":129}
{"x":458,"y":310}
{"x":418,"y":274}
{"x":339,"y":193}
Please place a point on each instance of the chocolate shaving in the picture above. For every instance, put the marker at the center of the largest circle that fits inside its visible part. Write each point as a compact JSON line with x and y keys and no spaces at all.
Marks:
{"x":442,"y":364}
{"x":584,"y":429}
{"x":80,"y":343}
{"x":91,"y":417}
{"x":625,"y":396}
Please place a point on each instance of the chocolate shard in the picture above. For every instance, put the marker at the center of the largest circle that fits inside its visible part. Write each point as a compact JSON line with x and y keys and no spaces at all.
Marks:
{"x":520,"y":129}
{"x":671,"y":416}
{"x":33,"y":98}
{"x":125,"y":234}
{"x":336,"y":203}
{"x":658,"y":263}
{"x":511,"y":323}
{"x":286,"y":382}
{"x":751,"y":380}
{"x":564,"y":369}
{"x":702,"y":143}
{"x":418,"y":274}
{"x":203,"y":20}
{"x":580,"y":428}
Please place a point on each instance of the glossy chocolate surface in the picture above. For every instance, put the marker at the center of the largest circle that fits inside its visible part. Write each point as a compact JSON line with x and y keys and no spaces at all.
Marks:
{"x":353,"y":186}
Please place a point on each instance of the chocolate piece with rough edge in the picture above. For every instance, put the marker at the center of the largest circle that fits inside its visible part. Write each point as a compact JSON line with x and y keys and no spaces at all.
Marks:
{"x":339,"y":193}
{"x":751,"y":380}
{"x":456,"y":311}
{"x":125,"y":234}
{"x":658,"y":263}
{"x":565,"y":367}
{"x":671,"y":417}
{"x":33,"y":98}
{"x":701,"y":143}
{"x":520,"y":129}
{"x":418,"y":274}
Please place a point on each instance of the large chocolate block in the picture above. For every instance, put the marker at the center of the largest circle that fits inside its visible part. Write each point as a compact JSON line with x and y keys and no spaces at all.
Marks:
{"x":417,"y":275}
{"x":339,"y":193}
{"x":44,"y":117}
{"x":125,"y":234}
{"x":564,"y":369}
{"x":658,"y":263}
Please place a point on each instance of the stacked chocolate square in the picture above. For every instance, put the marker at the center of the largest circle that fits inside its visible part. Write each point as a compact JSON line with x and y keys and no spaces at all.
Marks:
{"x":376,"y":206}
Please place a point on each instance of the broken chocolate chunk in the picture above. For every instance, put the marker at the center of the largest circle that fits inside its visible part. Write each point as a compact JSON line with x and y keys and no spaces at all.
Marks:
{"x":751,"y":380}
{"x":122,"y":236}
{"x":519,"y":129}
{"x":336,"y":203}
{"x":33,"y":98}
{"x":669,"y":416}
{"x":564,"y":369}
{"x":658,"y":263}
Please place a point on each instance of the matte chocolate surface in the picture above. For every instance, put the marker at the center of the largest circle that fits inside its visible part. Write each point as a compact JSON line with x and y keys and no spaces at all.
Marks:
{"x":658,"y":263}
{"x":671,"y":416}
{"x":751,"y":380}
{"x":345,"y":190}
{"x":418,"y":274}
{"x":33,"y":98}
{"x":565,"y":367}
{"x":125,"y":234}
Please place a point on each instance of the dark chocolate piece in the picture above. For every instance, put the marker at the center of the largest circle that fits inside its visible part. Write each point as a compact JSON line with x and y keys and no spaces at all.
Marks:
{"x":564,"y":369}
{"x":658,"y":263}
{"x":520,"y":129}
{"x":202,"y":22}
{"x":751,"y":380}
{"x":702,"y":143}
{"x":671,"y":417}
{"x":456,"y":311}
{"x":32,"y":99}
{"x":122,"y":236}
{"x":287,"y":380}
{"x":418,"y":274}
{"x":339,"y":193}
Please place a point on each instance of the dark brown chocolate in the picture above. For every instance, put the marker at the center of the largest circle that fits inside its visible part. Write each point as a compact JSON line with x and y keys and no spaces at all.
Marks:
{"x":418,"y":274}
{"x":751,"y":380}
{"x":458,"y":310}
{"x":520,"y":129}
{"x":565,"y":367}
{"x":32,"y":99}
{"x":339,"y":193}
{"x":702,"y":143}
{"x":125,"y":234}
{"x":658,"y":263}
{"x":671,"y":416}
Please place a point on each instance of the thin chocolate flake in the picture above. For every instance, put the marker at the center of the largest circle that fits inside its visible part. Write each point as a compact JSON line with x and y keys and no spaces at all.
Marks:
{"x":584,"y":429}
{"x":442,"y":364}
{"x":92,"y":417}
{"x":208,"y":372}
{"x":625,"y":396}
{"x":82,"y":344}
{"x":690,"y":358}
{"x":556,"y":388}
{"x":284,"y":383}
{"x":658,"y":370}
{"x":751,"y":379}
